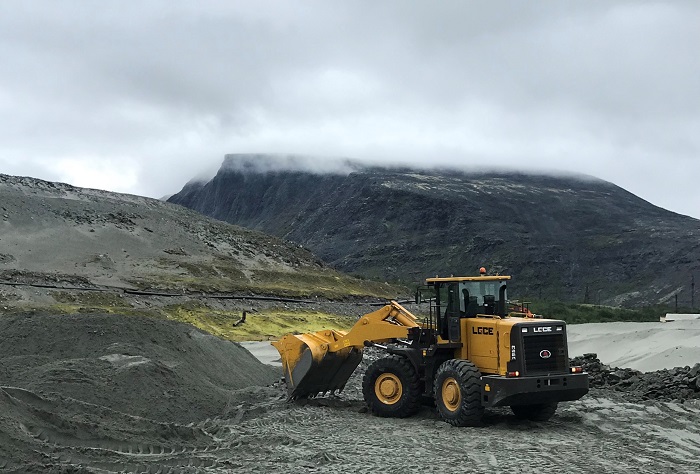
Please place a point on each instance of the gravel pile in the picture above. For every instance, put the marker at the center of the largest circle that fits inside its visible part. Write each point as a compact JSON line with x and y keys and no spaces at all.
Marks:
{"x":140,"y":366}
{"x":679,"y":383}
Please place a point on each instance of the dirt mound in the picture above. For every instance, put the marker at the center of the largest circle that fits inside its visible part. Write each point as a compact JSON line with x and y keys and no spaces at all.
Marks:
{"x":150,"y":368}
{"x":679,"y":383}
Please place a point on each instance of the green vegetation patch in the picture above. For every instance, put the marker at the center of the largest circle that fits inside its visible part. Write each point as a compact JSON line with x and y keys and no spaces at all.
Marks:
{"x":327,"y":284}
{"x":74,"y":308}
{"x":187,"y":283}
{"x":258,"y":326}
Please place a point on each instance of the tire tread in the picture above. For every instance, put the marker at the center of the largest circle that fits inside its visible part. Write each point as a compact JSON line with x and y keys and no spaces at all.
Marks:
{"x":471,"y":411}
{"x":409,"y":404}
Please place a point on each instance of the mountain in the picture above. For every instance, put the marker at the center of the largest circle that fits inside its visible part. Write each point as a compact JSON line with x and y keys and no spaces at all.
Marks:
{"x":572,"y":238}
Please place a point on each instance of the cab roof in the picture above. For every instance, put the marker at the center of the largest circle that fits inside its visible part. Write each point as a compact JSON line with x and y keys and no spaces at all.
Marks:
{"x":470,"y":278}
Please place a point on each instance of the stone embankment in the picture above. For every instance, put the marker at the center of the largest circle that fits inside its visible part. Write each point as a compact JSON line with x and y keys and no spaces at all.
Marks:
{"x":679,"y":383}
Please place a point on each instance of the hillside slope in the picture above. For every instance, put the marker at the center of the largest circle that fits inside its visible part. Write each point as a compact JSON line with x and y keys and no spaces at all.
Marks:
{"x":60,"y":235}
{"x":569,"y":238}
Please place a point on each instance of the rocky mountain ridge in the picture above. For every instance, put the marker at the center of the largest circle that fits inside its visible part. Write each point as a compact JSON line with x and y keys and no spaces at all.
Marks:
{"x":569,"y":238}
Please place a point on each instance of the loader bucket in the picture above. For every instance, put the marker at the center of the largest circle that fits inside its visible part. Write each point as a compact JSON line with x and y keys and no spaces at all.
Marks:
{"x":309,"y":367}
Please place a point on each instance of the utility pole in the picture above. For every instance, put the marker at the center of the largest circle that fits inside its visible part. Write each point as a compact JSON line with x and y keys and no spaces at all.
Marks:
{"x":676,"y":303}
{"x":692,"y":291}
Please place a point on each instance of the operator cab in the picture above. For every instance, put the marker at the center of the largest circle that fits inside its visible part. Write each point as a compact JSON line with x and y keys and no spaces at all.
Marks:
{"x":453,"y":298}
{"x":481,"y":297}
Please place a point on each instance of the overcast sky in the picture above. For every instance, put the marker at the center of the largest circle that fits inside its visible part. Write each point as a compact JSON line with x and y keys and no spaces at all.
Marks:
{"x":141,"y":96}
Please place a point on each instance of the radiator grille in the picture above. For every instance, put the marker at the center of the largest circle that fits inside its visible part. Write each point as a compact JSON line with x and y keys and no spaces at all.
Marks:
{"x":536,"y":346}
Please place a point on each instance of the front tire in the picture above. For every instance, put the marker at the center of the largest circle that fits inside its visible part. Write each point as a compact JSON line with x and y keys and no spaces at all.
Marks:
{"x":541,"y":412}
{"x":458,"y":393}
{"x":392,"y":388}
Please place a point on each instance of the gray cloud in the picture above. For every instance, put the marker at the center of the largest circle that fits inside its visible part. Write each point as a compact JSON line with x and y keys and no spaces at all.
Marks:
{"x":142,"y":96}
{"x":279,"y":162}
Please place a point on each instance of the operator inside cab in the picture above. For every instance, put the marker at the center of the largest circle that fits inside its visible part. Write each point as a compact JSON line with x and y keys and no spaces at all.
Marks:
{"x":467,"y":297}
{"x":482,"y":297}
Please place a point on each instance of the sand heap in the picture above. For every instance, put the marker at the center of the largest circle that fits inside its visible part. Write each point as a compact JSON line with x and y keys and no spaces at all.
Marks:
{"x":679,"y":383}
{"x":645,"y":347}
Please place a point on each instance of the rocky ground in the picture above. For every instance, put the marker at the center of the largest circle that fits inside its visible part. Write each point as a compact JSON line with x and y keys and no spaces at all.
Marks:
{"x":110,"y":393}
{"x":676,"y":384}
{"x":600,"y":433}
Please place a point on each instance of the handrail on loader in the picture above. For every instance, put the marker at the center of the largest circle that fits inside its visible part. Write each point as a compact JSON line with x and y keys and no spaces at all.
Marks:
{"x":324,"y":361}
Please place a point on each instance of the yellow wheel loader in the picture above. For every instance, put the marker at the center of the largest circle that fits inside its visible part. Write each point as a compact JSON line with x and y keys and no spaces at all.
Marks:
{"x":469,"y":353}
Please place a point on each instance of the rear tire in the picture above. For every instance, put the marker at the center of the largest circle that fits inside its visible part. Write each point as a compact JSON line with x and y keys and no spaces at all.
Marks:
{"x":541,"y":412}
{"x":392,"y":388}
{"x":457,"y":391}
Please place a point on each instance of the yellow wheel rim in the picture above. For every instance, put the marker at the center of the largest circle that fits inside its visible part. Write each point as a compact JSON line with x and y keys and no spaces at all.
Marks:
{"x":388,"y":389}
{"x":451,"y":394}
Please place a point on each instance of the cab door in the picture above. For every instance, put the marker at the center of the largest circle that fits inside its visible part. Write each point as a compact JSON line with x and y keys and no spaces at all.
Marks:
{"x":454,"y":328}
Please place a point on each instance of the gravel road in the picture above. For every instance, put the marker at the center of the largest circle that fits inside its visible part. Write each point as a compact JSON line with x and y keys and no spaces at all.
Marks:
{"x":263,"y":433}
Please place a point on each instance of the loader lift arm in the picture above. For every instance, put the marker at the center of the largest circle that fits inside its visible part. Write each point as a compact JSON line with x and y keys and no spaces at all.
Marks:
{"x":324,"y":361}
